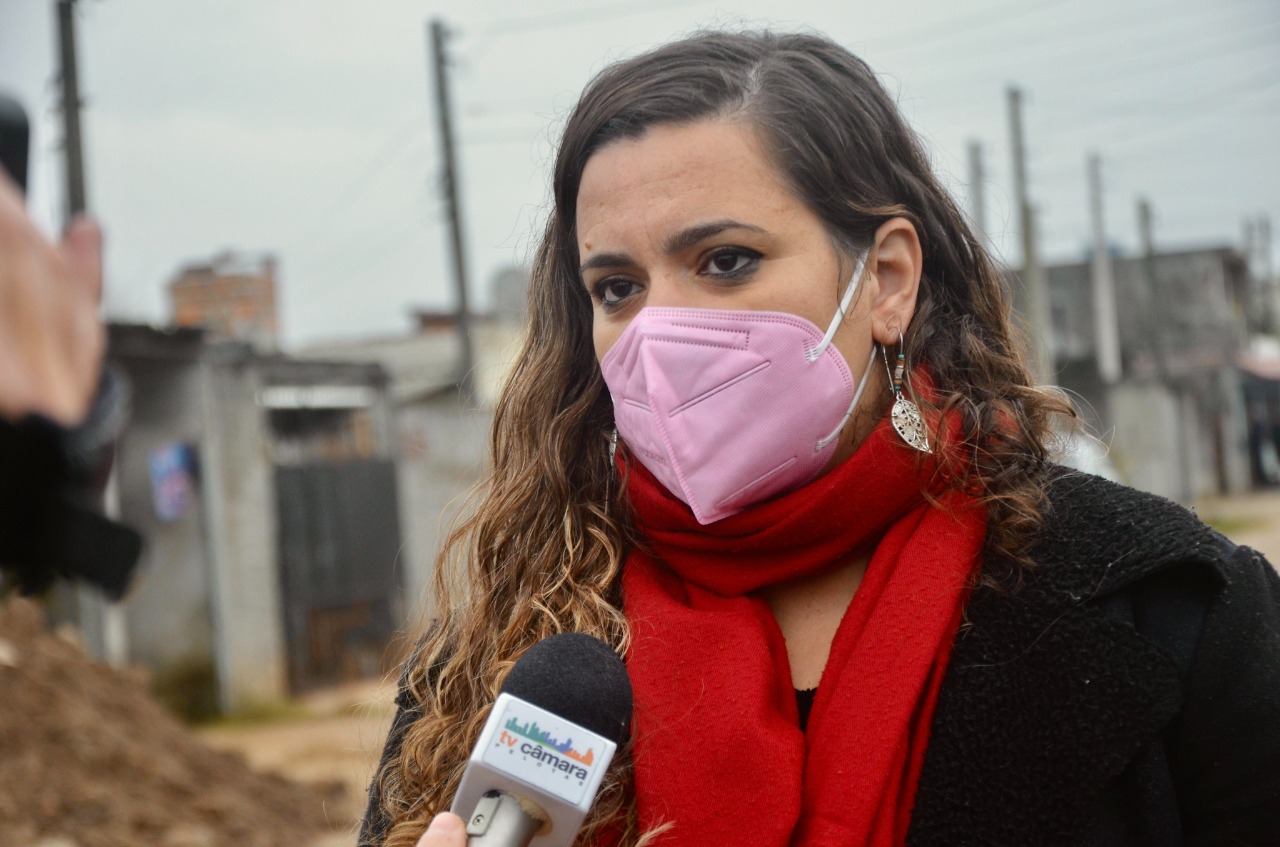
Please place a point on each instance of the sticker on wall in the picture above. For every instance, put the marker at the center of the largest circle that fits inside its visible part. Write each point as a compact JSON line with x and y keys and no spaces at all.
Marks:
{"x":173,"y":485}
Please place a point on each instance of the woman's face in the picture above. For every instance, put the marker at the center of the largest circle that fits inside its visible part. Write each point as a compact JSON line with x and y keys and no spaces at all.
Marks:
{"x":696,"y":216}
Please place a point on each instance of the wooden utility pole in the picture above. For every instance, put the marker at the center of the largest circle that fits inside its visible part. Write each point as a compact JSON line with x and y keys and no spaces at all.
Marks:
{"x":1105,"y":328}
{"x":977,"y":190}
{"x":1035,"y":286}
{"x":70,"y":84}
{"x":437,"y":37}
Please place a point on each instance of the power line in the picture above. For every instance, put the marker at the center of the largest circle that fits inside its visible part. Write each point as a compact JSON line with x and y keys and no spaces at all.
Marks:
{"x":1188,"y":116}
{"x":1233,"y":92}
{"x":573,"y":17}
{"x":338,"y":273}
{"x":497,"y":137}
{"x":363,"y":262}
{"x":1186,"y":55}
{"x":1079,"y":54}
{"x":963,"y":25}
{"x":1207,"y":105}
{"x":397,"y":143}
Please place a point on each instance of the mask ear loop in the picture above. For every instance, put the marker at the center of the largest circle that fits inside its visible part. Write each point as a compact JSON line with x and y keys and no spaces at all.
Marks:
{"x":857,"y":395}
{"x":854,"y":282}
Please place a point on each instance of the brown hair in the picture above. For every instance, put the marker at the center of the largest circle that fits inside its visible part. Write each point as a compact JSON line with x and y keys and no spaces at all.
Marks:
{"x":543,"y":551}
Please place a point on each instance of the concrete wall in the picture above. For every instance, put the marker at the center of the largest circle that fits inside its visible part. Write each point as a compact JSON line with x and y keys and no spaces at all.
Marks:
{"x":1147,"y":443}
{"x":249,"y":635}
{"x":1184,"y":438}
{"x":1194,"y":308}
{"x":443,"y":451}
{"x":169,"y":605}
{"x":1186,"y":442}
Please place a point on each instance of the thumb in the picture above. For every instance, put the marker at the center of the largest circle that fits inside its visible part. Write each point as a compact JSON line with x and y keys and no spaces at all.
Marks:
{"x":82,"y":248}
{"x":446,"y":830}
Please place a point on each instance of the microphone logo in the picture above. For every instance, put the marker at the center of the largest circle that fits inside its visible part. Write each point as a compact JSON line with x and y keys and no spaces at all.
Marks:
{"x":543,"y":750}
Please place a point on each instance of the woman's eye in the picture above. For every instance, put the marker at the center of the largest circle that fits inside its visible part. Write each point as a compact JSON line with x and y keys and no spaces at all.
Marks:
{"x":732,"y":262}
{"x":611,"y":292}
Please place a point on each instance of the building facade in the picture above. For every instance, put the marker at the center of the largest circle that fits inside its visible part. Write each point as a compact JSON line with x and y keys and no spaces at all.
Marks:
{"x":265,"y":490}
{"x":231,"y":297}
{"x":1175,"y":419}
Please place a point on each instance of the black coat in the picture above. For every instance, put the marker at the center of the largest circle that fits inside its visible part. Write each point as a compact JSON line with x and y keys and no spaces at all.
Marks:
{"x":1128,"y":693}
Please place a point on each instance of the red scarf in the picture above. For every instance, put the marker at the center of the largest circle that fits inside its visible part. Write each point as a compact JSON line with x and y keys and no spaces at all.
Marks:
{"x":718,"y":749}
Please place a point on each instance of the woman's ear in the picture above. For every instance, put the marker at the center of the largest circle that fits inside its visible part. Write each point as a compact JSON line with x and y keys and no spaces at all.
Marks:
{"x":896,"y":262}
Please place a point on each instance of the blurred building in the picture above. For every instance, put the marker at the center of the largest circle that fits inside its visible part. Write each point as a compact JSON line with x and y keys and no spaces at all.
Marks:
{"x":233,"y":297}
{"x":1175,"y":417}
{"x":442,"y":437}
{"x":265,"y":489}
{"x":1260,"y":374}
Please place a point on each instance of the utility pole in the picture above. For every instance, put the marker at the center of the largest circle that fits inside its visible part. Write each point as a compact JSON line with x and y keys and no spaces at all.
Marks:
{"x":1155,"y":297}
{"x":1035,"y":286}
{"x":1258,"y":316}
{"x":1158,"y":321}
{"x":1106,"y":330}
{"x":102,"y":621}
{"x":977,"y":189}
{"x":437,"y":38}
{"x":1248,"y":249}
{"x":71,"y":103}
{"x":1267,"y":273}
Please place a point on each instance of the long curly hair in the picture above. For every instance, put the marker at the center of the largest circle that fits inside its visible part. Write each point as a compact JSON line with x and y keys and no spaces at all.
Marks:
{"x":543,"y":550}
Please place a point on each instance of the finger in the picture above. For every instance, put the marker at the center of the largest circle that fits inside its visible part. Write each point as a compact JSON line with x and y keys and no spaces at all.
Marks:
{"x":82,"y":247}
{"x":446,"y":830}
{"x":15,"y":226}
{"x":10,"y":197}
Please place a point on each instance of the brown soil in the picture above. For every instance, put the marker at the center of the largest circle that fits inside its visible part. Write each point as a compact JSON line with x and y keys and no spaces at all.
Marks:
{"x":337,"y":738}
{"x":88,"y":757}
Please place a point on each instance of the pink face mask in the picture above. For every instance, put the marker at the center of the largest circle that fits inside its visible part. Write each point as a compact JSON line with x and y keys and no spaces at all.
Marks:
{"x":730,"y":408}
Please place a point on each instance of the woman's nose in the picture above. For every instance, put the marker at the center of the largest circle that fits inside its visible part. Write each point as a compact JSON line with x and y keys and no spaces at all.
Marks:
{"x":666,"y":290}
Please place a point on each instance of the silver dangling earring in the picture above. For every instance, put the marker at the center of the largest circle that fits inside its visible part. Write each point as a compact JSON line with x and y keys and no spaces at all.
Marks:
{"x":905,"y":414}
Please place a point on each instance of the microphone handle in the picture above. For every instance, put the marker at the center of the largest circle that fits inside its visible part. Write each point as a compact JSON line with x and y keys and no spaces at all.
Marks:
{"x":500,"y":820}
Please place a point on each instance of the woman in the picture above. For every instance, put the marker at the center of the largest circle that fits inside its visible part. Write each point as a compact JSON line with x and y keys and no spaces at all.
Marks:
{"x":831,"y":473}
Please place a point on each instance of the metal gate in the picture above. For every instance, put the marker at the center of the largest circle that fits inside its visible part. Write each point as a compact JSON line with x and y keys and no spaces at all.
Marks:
{"x":339,"y":539}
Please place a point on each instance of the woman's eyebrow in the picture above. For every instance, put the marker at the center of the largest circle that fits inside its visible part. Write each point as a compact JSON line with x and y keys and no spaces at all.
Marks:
{"x":677,"y":243}
{"x":605,"y":260}
{"x":687,"y":238}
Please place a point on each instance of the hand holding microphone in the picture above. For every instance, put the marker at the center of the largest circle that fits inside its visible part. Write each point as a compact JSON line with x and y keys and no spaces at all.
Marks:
{"x":533,"y":775}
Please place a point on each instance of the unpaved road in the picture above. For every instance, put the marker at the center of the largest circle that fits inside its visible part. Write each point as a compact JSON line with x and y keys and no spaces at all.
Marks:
{"x":339,"y":738}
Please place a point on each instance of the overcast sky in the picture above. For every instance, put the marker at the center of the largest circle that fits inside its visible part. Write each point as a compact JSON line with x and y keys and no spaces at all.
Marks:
{"x":305,"y":128}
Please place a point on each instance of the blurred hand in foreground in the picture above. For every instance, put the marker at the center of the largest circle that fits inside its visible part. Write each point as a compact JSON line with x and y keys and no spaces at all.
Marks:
{"x":51,"y":338}
{"x":446,"y":830}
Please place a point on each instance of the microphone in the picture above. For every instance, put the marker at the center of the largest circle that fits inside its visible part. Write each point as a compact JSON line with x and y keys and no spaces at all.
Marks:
{"x":560,"y":716}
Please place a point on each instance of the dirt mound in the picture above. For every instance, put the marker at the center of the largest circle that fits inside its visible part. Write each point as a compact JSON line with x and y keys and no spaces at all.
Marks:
{"x":89,"y":759}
